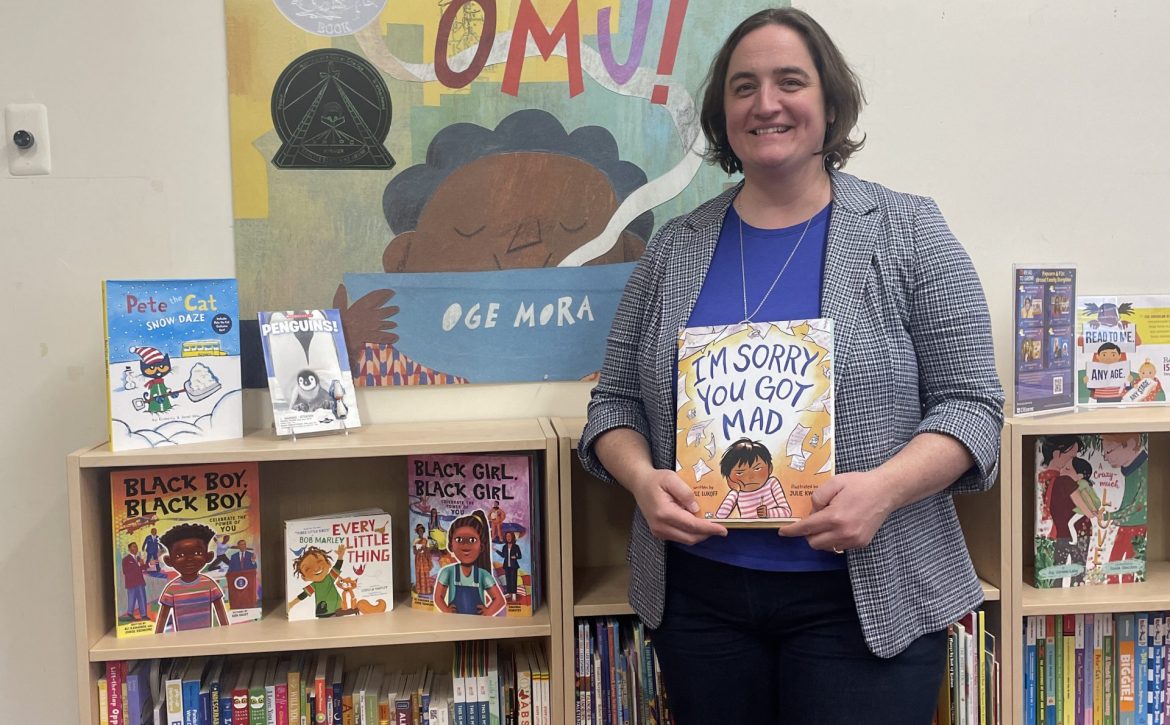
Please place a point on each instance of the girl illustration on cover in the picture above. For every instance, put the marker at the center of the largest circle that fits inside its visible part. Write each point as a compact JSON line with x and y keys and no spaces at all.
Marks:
{"x":747,"y":466}
{"x":467,"y":586}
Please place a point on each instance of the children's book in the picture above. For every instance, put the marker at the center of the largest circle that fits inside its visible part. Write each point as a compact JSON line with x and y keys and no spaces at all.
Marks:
{"x":186,"y":547}
{"x":755,"y":418}
{"x":1044,"y":349}
{"x":1091,"y":509}
{"x":1123,"y":350}
{"x":339,"y":564}
{"x":474,"y":533}
{"x":172,"y":361}
{"x":308,"y":371}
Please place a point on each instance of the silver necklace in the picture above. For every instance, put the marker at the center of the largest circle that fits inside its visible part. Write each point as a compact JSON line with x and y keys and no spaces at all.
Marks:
{"x":743,"y":271}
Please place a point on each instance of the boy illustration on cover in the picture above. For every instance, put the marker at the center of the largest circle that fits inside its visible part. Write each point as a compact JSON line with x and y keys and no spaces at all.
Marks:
{"x":747,"y":466}
{"x":191,"y":596}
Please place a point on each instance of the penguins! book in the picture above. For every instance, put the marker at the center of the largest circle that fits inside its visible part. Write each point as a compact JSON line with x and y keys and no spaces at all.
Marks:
{"x":172,"y":361}
{"x":308,"y":371}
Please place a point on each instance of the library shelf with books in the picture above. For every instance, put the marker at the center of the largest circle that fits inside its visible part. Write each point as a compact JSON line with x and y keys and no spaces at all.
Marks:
{"x":1019,"y":473}
{"x":309,"y":476}
{"x":595,"y":522}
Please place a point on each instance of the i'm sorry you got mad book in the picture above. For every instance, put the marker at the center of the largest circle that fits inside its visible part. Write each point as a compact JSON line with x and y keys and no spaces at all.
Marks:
{"x":172,"y":361}
{"x":755,"y":418}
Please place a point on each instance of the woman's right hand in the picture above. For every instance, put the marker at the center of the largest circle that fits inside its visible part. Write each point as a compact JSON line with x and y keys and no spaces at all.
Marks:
{"x":669,"y":507}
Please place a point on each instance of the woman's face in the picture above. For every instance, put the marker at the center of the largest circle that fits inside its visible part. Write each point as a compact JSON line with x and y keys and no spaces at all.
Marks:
{"x":773,"y":102}
{"x":465,"y":544}
{"x":1063,"y":459}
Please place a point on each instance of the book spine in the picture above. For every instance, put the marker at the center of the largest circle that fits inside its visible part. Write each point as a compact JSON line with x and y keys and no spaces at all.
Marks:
{"x":281,"y":703}
{"x":1051,"y":678}
{"x":115,"y":707}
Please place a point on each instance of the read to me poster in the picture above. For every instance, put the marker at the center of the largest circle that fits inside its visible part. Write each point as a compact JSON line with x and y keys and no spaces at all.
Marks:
{"x":1123,"y":350}
{"x":477,"y":176}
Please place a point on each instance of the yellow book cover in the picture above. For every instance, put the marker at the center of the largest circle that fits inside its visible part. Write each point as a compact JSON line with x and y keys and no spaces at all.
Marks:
{"x":755,"y":418}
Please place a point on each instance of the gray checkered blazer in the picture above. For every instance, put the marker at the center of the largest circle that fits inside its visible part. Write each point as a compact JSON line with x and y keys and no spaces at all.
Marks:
{"x":913,"y":354}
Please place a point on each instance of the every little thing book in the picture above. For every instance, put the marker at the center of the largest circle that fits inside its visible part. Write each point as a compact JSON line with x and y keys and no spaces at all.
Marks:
{"x":308,"y":371}
{"x":755,"y":418}
{"x":339,"y":565}
{"x":172,"y":361}
{"x":186,"y":547}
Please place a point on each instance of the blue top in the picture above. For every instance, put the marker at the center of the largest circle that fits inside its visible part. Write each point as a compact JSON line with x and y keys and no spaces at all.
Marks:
{"x":796,"y":296}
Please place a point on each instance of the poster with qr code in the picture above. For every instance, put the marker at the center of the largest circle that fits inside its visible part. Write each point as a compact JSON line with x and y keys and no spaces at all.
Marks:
{"x":1044,"y":347}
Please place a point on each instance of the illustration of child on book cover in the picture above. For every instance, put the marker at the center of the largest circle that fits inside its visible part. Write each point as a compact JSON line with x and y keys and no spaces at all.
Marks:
{"x":1091,"y":509}
{"x":472,"y":534}
{"x":755,"y":418}
{"x":339,"y":565}
{"x":186,"y":545}
{"x":172,"y":361}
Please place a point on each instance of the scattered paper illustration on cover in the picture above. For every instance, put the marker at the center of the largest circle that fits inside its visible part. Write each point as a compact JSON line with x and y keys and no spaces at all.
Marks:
{"x":755,"y":418}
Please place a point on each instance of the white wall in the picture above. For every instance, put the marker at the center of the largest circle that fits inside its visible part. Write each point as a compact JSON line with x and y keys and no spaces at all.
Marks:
{"x":1038,"y":126}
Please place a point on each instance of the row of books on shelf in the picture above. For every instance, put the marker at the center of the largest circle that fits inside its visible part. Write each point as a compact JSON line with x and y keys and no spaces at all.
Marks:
{"x":971,"y":688}
{"x":1097,"y":669}
{"x":187,"y":555}
{"x":617,"y":678}
{"x":489,"y":684}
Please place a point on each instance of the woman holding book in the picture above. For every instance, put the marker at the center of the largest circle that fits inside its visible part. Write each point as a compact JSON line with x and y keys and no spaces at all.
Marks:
{"x":841,"y":618}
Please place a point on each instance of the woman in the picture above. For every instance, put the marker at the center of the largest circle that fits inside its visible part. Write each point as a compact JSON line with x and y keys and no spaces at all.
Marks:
{"x":841,"y":618}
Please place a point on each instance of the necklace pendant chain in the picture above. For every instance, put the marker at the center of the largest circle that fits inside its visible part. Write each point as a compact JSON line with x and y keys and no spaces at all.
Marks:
{"x":743,"y":271}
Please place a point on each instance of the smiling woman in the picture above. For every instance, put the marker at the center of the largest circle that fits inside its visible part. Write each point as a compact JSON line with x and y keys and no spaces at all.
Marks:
{"x":842,"y":617}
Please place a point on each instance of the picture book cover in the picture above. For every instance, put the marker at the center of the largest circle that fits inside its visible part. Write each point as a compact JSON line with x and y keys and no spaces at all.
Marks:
{"x":1045,"y":356}
{"x":1091,"y":509}
{"x":1123,"y":350}
{"x":755,"y":418}
{"x":172,"y":361}
{"x":186,"y":547}
{"x":338,"y":565}
{"x":308,"y":371}
{"x":474,"y":534}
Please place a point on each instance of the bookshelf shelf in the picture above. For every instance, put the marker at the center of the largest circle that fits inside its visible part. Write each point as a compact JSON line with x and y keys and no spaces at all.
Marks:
{"x":601,"y":591}
{"x":274,"y":633}
{"x":1154,"y":593}
{"x":311,"y":476}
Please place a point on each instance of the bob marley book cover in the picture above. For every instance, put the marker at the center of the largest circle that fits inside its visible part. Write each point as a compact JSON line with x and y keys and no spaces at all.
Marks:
{"x":474,"y":534}
{"x":338,"y":565}
{"x":755,"y":418}
{"x":172,"y":361}
{"x":308,"y":371}
{"x":1123,"y":350}
{"x":186,"y":547}
{"x":1091,"y":509}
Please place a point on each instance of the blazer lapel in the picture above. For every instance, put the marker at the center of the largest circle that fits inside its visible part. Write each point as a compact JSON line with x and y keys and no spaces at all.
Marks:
{"x":852,"y":231}
{"x":683,"y":274}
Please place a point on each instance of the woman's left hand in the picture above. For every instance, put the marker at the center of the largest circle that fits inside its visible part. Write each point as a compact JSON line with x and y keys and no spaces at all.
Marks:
{"x":847,"y":511}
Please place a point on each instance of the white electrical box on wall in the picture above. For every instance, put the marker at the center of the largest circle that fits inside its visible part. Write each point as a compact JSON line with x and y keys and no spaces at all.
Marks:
{"x":26,"y":136}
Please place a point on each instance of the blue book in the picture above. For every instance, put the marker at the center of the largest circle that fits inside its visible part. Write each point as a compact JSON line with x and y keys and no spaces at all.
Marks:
{"x":192,"y":681}
{"x":1030,"y":671}
{"x":1144,"y":671}
{"x":172,"y":361}
{"x":137,"y":692}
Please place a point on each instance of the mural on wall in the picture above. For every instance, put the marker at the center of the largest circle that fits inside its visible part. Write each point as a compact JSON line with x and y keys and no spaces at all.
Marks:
{"x":469,"y":182}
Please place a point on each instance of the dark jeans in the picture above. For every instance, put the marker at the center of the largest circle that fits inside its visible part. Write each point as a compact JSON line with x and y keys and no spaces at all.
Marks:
{"x":743,"y":646}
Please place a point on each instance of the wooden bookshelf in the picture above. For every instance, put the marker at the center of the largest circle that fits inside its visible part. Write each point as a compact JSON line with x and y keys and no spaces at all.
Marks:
{"x":309,"y":476}
{"x":1019,"y":472}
